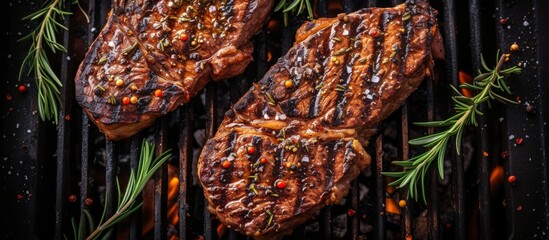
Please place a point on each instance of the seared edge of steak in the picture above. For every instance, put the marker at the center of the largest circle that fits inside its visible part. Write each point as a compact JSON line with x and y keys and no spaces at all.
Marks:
{"x":171,"y":46}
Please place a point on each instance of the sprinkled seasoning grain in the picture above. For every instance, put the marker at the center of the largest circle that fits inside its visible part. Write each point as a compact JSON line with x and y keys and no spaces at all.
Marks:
{"x":280,"y":184}
{"x":402,"y":203}
{"x":125,"y":100}
{"x":288,"y":84}
{"x":250,"y":150}
{"x":512,"y":179}
{"x":514,"y":47}
{"x":119,"y":82}
{"x":183,"y":37}
{"x":133,"y":99}
{"x":226,"y":164}
{"x":158,"y":93}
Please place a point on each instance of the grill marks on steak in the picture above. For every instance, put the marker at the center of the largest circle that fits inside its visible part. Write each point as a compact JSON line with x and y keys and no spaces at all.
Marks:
{"x":347,"y":74}
{"x":175,"y":46}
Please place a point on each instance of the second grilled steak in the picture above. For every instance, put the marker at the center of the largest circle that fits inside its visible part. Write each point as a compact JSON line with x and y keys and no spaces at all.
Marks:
{"x":294,"y":142}
{"x":154,"y":55}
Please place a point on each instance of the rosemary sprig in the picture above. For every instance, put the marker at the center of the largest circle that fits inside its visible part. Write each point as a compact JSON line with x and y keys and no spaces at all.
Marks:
{"x":127,"y":204}
{"x":43,"y":37}
{"x":296,"y":7}
{"x":485,"y":84}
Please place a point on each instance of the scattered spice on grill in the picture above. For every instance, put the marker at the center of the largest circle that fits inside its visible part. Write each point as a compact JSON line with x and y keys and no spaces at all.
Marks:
{"x":270,"y":99}
{"x":271,"y":215}
{"x":288,"y":84}
{"x":226,"y":164}
{"x":102,"y":60}
{"x":263,"y":160}
{"x":514,"y":47}
{"x":68,"y":117}
{"x":111,"y":99}
{"x":374,"y":32}
{"x":72,"y":198}
{"x":406,"y":16}
{"x":512,"y":179}
{"x":503,"y":21}
{"x":183,"y":37}
{"x":250,"y":150}
{"x":519,"y":141}
{"x":133,"y":99}
{"x":125,"y":100}
{"x":88,"y":201}
{"x":8,"y":97}
{"x":485,"y":154}
{"x":505,"y":154}
{"x":129,"y":49}
{"x":519,"y":208}
{"x":280,"y":184}
{"x":119,"y":82}
{"x":252,"y":187}
{"x":351,"y":212}
{"x":402,"y":203}
{"x":22,"y":88}
{"x":158,"y":93}
{"x":530,"y":108}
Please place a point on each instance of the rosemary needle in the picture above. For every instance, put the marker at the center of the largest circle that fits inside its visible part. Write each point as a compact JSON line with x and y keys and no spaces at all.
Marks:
{"x":485,"y":85}
{"x":43,"y":37}
{"x":296,"y":7}
{"x":127,"y":203}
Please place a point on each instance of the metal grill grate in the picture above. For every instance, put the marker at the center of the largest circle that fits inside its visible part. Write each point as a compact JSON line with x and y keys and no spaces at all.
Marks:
{"x":468,"y":30}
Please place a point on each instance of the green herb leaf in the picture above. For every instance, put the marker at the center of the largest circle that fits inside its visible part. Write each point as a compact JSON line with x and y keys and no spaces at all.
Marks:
{"x":485,"y":84}
{"x":127,"y":204}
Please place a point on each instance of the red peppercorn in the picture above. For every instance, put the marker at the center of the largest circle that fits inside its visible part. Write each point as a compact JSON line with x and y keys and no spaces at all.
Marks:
{"x":504,"y":154}
{"x":226,"y":164}
{"x":374,"y":32}
{"x":251,"y":150}
{"x":8,"y":97}
{"x":519,"y":140}
{"x":512,"y":179}
{"x":22,"y":89}
{"x":72,"y":198}
{"x":88,"y":201}
{"x":519,"y":208}
{"x":158,"y":93}
{"x":280,"y":184}
{"x":263,"y":160}
{"x":503,"y":21}
{"x":351,"y":212}
{"x":126,"y":100}
{"x":19,"y":196}
{"x":183,"y":37}
{"x":68,"y":117}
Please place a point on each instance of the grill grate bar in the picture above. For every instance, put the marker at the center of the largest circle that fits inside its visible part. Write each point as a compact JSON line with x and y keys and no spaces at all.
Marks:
{"x":379,"y":229}
{"x":111,"y":166}
{"x":483,"y":164}
{"x":211,"y":125}
{"x":136,"y":217}
{"x":405,"y":217}
{"x":63,"y":137}
{"x":433,"y":199}
{"x":161,"y":183}
{"x":185,"y":168}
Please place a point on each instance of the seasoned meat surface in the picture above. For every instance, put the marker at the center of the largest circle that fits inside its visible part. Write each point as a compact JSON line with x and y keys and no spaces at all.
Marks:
{"x":294,"y":142}
{"x":154,"y":55}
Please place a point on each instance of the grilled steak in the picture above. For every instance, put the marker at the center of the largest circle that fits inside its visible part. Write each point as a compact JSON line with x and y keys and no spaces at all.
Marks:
{"x":154,"y":55}
{"x":294,"y":142}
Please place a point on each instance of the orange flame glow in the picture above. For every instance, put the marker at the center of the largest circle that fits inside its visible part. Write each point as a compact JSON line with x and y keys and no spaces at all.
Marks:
{"x":465,"y":78}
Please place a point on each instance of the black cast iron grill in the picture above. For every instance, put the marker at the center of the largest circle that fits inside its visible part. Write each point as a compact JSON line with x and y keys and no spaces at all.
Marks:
{"x":40,"y":172}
